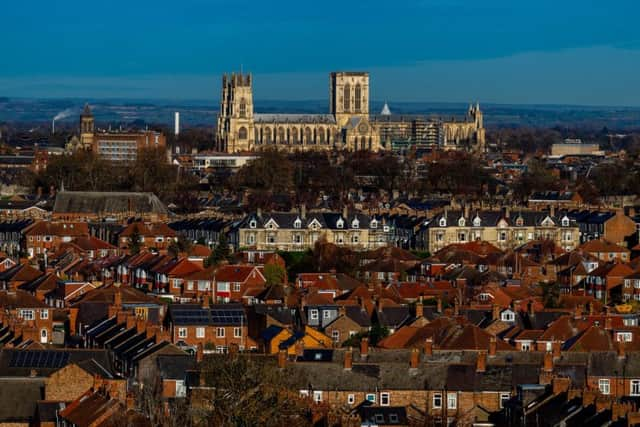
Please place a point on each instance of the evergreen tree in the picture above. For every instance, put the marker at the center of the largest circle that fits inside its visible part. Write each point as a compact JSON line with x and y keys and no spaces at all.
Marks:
{"x":134,"y":240}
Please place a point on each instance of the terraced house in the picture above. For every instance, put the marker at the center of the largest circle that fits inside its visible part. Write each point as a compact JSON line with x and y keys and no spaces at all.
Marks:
{"x":298,"y":231}
{"x":504,"y":229}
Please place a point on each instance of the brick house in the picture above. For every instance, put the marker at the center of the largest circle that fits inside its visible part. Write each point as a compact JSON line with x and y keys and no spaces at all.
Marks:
{"x":232,"y":281}
{"x":606,"y":251}
{"x":45,"y":236}
{"x":351,"y":320}
{"x":156,"y":235}
{"x":17,"y":276}
{"x":27,"y":316}
{"x":213,"y":328}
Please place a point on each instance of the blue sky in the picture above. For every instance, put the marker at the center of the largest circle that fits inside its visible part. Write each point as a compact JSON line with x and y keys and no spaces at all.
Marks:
{"x":562,"y":51}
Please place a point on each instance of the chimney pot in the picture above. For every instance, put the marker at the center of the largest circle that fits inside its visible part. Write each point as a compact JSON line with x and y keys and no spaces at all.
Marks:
{"x":481,"y":362}
{"x":493,"y":346}
{"x":428,"y":347}
{"x":415,"y":358}
{"x":348,"y":359}
{"x":364,"y":347}
{"x":282,"y":358}
{"x":548,"y":361}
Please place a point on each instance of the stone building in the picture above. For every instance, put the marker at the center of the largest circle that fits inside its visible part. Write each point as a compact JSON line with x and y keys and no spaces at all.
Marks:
{"x":299,"y":231}
{"x":113,"y":145}
{"x":348,"y":125}
{"x":503,"y":229}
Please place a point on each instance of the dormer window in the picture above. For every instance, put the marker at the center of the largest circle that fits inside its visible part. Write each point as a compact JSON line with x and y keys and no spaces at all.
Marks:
{"x":373,"y":223}
{"x":461,"y":222}
{"x":507,"y":316}
{"x":443,"y":222}
{"x":355,"y":223}
{"x":253,"y":223}
{"x":565,"y":221}
{"x":297,"y":223}
{"x":519,"y":221}
{"x":477,"y":221}
{"x":340,"y":223}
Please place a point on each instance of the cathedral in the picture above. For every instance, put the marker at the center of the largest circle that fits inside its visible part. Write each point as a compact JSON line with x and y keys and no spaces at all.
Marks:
{"x":348,"y":125}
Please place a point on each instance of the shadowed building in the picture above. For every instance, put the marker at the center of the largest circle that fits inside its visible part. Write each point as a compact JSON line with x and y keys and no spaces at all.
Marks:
{"x":92,"y":205}
{"x":348,"y":125}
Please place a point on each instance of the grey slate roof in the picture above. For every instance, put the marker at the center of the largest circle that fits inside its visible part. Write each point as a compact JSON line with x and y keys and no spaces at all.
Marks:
{"x":286,"y":220}
{"x":108,"y":202}
{"x":294,"y":118}
{"x":492,"y":218}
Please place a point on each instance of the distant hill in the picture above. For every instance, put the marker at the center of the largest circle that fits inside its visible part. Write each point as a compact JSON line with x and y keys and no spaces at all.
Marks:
{"x":203,"y":113}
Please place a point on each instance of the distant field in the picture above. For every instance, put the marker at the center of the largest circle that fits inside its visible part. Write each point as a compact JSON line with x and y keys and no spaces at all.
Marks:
{"x":203,"y":113}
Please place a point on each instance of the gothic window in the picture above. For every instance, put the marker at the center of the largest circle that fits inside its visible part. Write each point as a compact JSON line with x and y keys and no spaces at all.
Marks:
{"x":358,"y":98}
{"x":328,"y":136}
{"x":294,"y":136}
{"x":281,"y":139}
{"x":363,"y":143}
{"x":267,"y":136}
{"x":347,"y":97}
{"x":307,"y":135}
{"x":320,"y":137}
{"x":288,"y":135}
{"x":243,"y":108}
{"x":242,"y":133}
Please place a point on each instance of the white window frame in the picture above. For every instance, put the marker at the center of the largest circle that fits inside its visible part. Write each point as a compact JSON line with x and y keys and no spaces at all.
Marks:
{"x":634,"y":385}
{"x":452,"y":401}
{"x":237,"y":332}
{"x":317,"y":396}
{"x":313,"y":314}
{"x":182,"y":332}
{"x":604,"y":385}
{"x":437,"y":401}
{"x":199,"y":332}
{"x":503,"y":397}
{"x":351,"y":399}
{"x":385,"y":399}
{"x":335,"y":335}
{"x":220,"y":332}
{"x":27,"y":314}
{"x":624,"y":336}
{"x":237,"y":287}
{"x":44,"y":314}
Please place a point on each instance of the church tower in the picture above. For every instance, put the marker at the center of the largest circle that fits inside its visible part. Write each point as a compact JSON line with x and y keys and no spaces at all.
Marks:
{"x":87,"y":128}
{"x":235,"y":131}
{"x":348,"y":96}
{"x":476,"y":115}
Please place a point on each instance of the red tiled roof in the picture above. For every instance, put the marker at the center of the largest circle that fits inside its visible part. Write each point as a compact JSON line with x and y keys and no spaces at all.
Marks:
{"x":48,"y":228}
{"x":236,"y":273}
{"x":150,"y":229}
{"x":596,"y":246}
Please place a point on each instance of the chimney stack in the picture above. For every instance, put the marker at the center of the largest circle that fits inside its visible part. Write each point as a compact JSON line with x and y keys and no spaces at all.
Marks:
{"x":428,"y":347}
{"x":364,"y":347}
{"x":493,"y":346}
{"x":419,"y":309}
{"x":415,"y":358}
{"x":495,"y":312}
{"x":200,"y":353}
{"x":439,"y":306}
{"x":348,"y":359}
{"x":607,"y":323}
{"x":548,"y":361}
{"x":282,"y":358}
{"x":481,"y":362}
{"x":621,"y":350}
{"x":556,"y":348}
